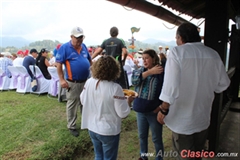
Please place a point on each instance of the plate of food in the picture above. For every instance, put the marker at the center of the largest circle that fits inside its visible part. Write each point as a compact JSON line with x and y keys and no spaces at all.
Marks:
{"x":128,"y":93}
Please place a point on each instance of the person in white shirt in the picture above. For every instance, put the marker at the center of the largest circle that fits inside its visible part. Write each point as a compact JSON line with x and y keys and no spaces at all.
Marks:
{"x":166,"y":51}
{"x":138,"y":61}
{"x":104,"y":106}
{"x":99,"y":56}
{"x":193,"y":73}
{"x":161,"y":50}
{"x":52,"y":60}
{"x":19,"y":60}
{"x":129,"y":61}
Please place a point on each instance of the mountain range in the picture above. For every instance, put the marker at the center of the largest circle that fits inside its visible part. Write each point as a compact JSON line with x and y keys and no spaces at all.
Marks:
{"x":19,"y":42}
{"x":159,"y":42}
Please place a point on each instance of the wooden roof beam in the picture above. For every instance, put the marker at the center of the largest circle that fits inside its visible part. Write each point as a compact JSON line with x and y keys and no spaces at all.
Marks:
{"x":153,"y":10}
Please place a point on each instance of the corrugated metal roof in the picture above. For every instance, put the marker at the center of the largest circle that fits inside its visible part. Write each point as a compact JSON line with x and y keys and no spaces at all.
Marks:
{"x":196,"y":8}
{"x":192,"y":8}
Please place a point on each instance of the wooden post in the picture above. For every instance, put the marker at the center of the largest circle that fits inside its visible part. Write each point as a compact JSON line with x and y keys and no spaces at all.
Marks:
{"x":216,"y":36}
{"x":234,"y":61}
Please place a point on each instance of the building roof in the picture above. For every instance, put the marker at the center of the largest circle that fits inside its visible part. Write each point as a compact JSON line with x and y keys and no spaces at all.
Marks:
{"x":192,"y":8}
{"x":196,"y":8}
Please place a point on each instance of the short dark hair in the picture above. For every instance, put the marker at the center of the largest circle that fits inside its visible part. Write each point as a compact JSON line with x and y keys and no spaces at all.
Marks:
{"x":33,"y":50}
{"x":106,"y":68}
{"x":114,"y":32}
{"x":154,"y":56}
{"x":189,"y":33}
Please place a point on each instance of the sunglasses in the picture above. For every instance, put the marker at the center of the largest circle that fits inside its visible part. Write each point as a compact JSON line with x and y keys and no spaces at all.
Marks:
{"x":44,"y":50}
{"x":80,"y":37}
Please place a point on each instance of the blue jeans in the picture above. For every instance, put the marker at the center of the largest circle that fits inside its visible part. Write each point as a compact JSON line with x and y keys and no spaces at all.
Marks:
{"x":105,"y":147}
{"x":144,"y":121}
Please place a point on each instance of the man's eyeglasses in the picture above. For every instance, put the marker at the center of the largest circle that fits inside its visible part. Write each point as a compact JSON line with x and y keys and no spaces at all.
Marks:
{"x":80,"y":37}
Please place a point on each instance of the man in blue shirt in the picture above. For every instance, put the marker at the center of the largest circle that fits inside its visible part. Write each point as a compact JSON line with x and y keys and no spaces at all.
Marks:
{"x":30,"y":60}
{"x":76,"y":60}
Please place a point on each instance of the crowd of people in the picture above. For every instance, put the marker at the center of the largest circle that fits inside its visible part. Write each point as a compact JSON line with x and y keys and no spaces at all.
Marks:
{"x":174,"y":87}
{"x":26,"y":58}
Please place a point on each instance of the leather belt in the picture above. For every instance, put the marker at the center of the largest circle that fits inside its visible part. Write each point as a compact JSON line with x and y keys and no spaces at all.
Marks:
{"x":76,"y":81}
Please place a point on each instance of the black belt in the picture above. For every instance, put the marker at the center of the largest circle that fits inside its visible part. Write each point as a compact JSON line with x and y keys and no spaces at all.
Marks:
{"x":76,"y":81}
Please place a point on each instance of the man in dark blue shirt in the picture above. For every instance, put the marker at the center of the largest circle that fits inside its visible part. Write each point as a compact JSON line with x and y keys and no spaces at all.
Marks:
{"x":30,"y":60}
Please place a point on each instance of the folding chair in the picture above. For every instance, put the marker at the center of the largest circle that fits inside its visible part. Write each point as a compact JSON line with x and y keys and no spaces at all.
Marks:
{"x":4,"y":81}
{"x":14,"y":78}
{"x":54,"y":83}
{"x":24,"y":80}
{"x":42,"y":83}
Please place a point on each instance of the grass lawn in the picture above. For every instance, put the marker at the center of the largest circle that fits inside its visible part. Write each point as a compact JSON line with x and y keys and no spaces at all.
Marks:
{"x":34,"y":127}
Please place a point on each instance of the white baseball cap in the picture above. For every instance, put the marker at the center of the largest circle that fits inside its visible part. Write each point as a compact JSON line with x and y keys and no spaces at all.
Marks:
{"x":6,"y":54}
{"x":77,"y":32}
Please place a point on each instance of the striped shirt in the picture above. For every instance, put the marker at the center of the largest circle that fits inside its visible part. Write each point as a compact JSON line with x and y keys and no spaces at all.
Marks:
{"x":4,"y":62}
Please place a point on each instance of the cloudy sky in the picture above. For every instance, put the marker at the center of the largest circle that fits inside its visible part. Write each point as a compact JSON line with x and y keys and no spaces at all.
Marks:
{"x":54,"y":19}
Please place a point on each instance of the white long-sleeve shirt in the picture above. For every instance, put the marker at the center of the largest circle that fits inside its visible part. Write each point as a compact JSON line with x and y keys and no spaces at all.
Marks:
{"x":18,"y":61}
{"x":193,"y":73}
{"x":103,"y":107}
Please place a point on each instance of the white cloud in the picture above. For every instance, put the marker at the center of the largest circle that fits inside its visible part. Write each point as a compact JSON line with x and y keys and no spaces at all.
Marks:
{"x":38,"y":20}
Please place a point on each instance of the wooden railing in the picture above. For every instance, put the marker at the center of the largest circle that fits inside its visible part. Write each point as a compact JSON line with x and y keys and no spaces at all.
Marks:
{"x":226,"y":99}
{"x":221,"y":105}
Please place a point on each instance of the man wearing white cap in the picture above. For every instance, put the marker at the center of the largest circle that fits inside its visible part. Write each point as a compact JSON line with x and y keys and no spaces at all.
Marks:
{"x":76,"y":59}
{"x":161,"y":50}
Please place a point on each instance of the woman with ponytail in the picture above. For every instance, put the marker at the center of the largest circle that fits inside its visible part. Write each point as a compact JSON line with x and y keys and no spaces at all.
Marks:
{"x":42,"y":62}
